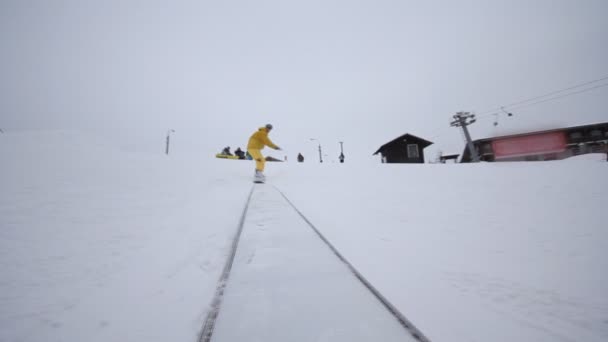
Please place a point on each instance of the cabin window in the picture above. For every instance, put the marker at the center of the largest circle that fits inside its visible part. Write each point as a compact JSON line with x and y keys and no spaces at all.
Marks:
{"x":576,"y":135}
{"x":412,"y":151}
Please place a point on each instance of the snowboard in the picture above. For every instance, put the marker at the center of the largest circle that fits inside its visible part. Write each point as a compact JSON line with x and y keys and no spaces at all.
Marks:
{"x":259,"y":179}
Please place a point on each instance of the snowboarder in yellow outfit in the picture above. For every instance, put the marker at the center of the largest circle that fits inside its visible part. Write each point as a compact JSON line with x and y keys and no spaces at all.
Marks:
{"x":257,"y":141}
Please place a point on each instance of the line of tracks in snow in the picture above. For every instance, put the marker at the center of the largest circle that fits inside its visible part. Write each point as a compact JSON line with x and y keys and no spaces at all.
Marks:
{"x":209,"y":324}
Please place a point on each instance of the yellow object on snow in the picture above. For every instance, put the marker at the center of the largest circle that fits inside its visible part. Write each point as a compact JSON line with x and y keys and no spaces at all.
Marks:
{"x":225,"y":156}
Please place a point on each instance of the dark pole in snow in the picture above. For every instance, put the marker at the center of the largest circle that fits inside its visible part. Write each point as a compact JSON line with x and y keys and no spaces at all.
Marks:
{"x":320,"y":153}
{"x":168,"y":140}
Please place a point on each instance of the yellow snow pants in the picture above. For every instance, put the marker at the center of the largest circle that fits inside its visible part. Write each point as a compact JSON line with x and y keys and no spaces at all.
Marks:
{"x":259,"y":159}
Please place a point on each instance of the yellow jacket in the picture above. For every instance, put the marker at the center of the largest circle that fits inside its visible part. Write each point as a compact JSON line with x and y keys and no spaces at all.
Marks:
{"x":260,"y":139}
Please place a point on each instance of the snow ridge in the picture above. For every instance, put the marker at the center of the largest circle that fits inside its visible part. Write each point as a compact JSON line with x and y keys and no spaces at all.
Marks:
{"x":409,"y":326}
{"x":207,"y":330}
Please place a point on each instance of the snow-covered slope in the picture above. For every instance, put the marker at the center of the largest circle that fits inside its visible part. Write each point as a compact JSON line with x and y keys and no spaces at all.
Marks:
{"x":99,"y":244}
{"x":486,"y":252}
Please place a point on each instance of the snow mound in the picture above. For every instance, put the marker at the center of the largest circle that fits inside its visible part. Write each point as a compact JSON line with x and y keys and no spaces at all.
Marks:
{"x":588,"y":157}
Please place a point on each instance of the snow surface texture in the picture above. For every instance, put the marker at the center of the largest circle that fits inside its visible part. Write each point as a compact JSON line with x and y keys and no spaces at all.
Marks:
{"x":97,"y":244}
{"x":486,"y":252}
{"x":287,"y":285}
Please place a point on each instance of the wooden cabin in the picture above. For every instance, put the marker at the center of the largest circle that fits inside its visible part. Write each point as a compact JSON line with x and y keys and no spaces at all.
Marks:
{"x":407,"y":148}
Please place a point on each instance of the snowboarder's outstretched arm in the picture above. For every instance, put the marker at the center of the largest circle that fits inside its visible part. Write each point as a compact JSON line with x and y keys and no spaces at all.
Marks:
{"x":269,"y":143}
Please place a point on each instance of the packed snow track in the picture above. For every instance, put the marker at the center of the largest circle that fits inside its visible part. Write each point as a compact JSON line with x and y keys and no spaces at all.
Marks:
{"x":288,"y":283}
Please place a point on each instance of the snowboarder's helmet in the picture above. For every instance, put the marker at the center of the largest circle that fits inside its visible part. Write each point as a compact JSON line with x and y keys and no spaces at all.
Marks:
{"x":269,"y":126}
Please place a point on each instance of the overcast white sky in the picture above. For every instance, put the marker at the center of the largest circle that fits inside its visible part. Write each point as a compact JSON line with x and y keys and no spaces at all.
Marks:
{"x":359,"y":71}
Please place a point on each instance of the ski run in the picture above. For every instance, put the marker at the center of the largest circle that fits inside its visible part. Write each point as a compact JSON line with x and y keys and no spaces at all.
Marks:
{"x":99,"y":243}
{"x":285,"y":274}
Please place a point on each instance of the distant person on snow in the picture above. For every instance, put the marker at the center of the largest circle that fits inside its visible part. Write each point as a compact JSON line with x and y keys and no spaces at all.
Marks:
{"x":226,"y":151}
{"x":300,"y":158}
{"x":238,"y":152}
{"x":257,"y":141}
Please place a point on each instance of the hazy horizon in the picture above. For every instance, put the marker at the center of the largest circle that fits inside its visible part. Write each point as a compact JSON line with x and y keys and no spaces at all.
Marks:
{"x":361,"y":72}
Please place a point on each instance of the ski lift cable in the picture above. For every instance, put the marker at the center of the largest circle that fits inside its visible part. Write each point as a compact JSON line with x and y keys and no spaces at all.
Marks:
{"x":490,"y":112}
{"x":561,"y":96}
{"x":524,"y":104}
{"x":544,"y":100}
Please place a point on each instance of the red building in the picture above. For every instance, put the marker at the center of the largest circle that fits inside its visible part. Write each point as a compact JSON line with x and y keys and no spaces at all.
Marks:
{"x":543,"y":145}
